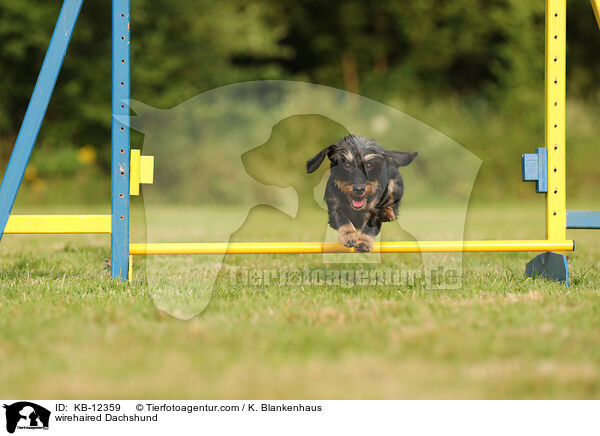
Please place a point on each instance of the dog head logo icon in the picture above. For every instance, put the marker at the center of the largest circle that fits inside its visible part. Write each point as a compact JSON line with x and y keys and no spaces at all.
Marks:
{"x":26,"y":415}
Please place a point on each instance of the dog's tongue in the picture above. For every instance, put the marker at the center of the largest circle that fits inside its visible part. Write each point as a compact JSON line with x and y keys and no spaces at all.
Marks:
{"x":357,"y":203}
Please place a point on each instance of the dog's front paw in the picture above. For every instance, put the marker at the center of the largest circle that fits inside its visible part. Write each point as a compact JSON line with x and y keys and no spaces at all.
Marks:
{"x":347,"y":235}
{"x":387,"y":214}
{"x":364,"y":244}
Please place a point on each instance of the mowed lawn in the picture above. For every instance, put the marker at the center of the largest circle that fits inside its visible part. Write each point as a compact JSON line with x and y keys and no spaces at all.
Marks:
{"x":67,"y":331}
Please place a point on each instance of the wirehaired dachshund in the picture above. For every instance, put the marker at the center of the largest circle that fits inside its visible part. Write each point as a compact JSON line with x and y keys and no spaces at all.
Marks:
{"x":364,"y":188}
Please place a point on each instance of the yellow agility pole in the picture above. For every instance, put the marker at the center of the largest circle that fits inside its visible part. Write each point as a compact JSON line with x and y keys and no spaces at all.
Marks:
{"x":596,"y":6}
{"x":57,"y":224}
{"x":334,"y":247}
{"x":555,"y":118}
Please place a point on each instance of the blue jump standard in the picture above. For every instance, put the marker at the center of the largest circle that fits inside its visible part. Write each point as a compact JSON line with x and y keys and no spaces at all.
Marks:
{"x":120,"y":139}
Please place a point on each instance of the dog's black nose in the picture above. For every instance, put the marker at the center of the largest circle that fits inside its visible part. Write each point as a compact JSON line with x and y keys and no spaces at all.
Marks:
{"x":358,"y":189}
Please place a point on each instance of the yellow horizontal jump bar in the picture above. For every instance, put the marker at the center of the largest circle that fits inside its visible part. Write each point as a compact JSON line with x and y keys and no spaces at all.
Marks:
{"x":334,"y":247}
{"x":33,"y":224}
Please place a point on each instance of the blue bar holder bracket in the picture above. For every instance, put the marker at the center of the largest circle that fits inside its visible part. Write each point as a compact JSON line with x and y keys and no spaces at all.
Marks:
{"x":535,"y":169}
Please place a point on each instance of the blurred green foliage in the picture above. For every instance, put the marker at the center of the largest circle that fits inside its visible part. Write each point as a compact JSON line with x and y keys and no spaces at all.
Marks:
{"x":472,"y":69}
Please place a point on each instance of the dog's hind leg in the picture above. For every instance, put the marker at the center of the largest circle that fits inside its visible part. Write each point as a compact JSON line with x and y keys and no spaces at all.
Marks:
{"x":387,"y":214}
{"x":389,"y":210}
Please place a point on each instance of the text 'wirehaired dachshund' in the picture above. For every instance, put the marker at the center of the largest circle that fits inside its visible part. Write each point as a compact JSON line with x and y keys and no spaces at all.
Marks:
{"x":364,"y":188}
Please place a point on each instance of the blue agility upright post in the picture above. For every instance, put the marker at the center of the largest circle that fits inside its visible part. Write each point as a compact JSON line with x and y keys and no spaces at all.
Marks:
{"x":37,"y":108}
{"x":120,"y":139}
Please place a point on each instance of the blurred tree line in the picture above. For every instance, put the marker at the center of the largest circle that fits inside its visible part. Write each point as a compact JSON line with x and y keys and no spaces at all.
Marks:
{"x":426,"y":57}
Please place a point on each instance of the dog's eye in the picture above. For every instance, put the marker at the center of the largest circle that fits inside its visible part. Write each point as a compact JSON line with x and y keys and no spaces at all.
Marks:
{"x":346,"y":165}
{"x":369,"y":166}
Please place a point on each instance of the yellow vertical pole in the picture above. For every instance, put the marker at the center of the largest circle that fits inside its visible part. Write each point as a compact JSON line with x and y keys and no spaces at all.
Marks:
{"x":130,"y":264}
{"x":555,"y":86}
{"x":596,"y":6}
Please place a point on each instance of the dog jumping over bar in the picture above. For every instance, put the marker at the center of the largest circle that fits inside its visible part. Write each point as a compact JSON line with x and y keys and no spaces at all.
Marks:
{"x":364,"y":188}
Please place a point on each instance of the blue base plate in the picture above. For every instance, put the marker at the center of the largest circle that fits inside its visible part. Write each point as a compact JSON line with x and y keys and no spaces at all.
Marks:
{"x":552,"y":266}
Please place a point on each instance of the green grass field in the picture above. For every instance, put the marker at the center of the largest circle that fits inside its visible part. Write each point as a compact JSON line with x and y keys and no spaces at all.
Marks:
{"x":66,"y":331}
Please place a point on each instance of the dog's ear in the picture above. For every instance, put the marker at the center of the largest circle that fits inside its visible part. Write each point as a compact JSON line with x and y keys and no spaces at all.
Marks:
{"x":400,"y":158}
{"x":315,"y":162}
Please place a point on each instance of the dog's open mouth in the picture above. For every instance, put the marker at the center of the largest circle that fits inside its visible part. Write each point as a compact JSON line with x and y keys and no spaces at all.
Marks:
{"x":357,"y":204}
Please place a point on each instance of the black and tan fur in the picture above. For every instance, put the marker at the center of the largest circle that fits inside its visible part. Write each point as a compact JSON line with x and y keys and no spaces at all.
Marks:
{"x":364,"y":188}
